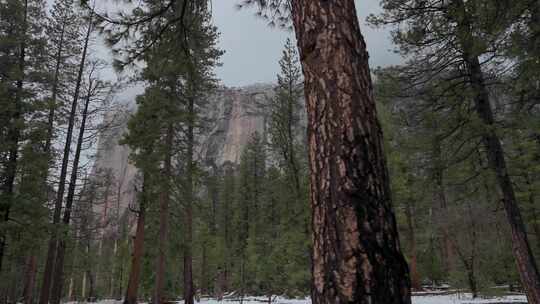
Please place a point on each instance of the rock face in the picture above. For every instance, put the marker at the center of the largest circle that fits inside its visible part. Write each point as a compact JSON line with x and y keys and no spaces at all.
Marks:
{"x":114,"y":174}
{"x":232,"y":116}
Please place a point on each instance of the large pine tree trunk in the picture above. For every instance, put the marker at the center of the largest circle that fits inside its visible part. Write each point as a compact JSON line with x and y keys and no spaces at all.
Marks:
{"x":138,"y":250}
{"x":163,"y":220}
{"x":53,"y":241}
{"x":356,"y":251}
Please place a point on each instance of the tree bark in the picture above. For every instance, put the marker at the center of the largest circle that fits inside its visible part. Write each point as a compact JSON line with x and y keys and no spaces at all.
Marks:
{"x":163,"y":220}
{"x":138,"y":250}
{"x":356,"y":251}
{"x":53,"y":241}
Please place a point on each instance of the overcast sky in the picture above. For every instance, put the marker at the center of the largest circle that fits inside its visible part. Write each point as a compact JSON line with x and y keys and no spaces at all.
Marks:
{"x":253,"y":49}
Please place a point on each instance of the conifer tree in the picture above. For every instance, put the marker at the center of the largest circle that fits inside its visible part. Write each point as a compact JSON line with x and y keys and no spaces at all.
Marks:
{"x":48,"y":278}
{"x":347,"y":163}
{"x":22,"y":77}
{"x":474,"y":38}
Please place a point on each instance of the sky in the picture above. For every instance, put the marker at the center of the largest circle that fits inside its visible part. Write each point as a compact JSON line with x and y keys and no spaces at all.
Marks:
{"x":252,"y":49}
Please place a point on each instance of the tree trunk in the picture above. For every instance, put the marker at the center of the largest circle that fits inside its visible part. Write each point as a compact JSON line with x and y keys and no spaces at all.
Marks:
{"x":188,"y":246}
{"x":163,"y":220}
{"x":13,"y":136}
{"x":415,"y":276}
{"x":356,"y":251}
{"x":30,"y":279}
{"x":528,"y":270}
{"x":138,"y":250}
{"x":440,"y":198}
{"x":58,"y":278}
{"x":53,"y":242}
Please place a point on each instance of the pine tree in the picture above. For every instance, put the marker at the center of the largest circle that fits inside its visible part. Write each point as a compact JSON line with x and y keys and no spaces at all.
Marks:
{"x":48,"y":277}
{"x":285,"y":116}
{"x":21,"y":80}
{"x":474,"y":38}
{"x":338,"y":88}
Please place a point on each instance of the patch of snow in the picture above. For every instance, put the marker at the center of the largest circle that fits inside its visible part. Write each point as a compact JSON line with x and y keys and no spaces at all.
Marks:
{"x":458,"y":298}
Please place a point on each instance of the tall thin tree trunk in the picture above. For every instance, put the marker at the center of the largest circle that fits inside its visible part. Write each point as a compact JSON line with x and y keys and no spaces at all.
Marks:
{"x":53,"y":242}
{"x":188,"y":240}
{"x":30,"y":279}
{"x":526,"y":264}
{"x":138,"y":250}
{"x":441,"y":200}
{"x":415,"y":276}
{"x":13,"y":136}
{"x":356,"y":252}
{"x":528,"y":270}
{"x":83,"y":286}
{"x":58,"y":274}
{"x":163,"y":220}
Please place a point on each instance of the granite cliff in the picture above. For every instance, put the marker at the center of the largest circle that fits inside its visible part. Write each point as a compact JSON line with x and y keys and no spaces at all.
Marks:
{"x":232,"y":116}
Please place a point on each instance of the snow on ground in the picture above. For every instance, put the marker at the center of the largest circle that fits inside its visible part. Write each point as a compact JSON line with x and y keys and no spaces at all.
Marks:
{"x":465,"y":299}
{"x":427,"y":299}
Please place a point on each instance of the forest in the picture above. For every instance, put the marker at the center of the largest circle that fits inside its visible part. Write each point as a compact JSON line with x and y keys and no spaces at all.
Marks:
{"x":416,"y":182}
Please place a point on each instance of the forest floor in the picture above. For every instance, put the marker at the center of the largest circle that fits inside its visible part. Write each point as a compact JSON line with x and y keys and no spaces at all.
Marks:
{"x":462,"y":298}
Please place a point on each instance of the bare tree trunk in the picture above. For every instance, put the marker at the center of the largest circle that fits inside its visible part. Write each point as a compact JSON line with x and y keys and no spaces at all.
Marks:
{"x":188,"y":246}
{"x":58,"y":278}
{"x":138,"y":250}
{"x":415,"y":276}
{"x":163,"y":220}
{"x":356,"y":252}
{"x":53,"y":242}
{"x":30,"y":279}
{"x":440,"y":199}
{"x":83,"y":286}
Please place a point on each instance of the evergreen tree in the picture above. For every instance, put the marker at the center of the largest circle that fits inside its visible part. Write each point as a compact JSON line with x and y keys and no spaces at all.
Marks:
{"x":455,"y":48}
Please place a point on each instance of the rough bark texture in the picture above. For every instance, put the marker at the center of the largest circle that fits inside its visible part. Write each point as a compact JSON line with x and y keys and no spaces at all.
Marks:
{"x":138,"y":249}
{"x":163,"y":221}
{"x":52,"y":246}
{"x":356,"y":251}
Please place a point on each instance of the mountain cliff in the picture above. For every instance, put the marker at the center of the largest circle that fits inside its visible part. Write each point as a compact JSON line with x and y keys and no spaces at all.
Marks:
{"x":231,"y":117}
